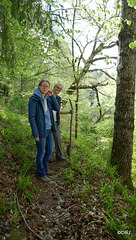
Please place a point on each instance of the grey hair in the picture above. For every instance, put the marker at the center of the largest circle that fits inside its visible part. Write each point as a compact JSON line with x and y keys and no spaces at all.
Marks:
{"x":58,"y":84}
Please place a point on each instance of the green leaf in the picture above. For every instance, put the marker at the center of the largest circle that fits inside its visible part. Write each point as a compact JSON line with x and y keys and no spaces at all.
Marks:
{"x":105,"y":27}
{"x":118,"y":6}
{"x":129,"y":22}
{"x":132,"y":44}
{"x":132,"y":3}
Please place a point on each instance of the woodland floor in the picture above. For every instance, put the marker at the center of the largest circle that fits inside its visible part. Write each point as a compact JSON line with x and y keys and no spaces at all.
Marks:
{"x":54,"y":213}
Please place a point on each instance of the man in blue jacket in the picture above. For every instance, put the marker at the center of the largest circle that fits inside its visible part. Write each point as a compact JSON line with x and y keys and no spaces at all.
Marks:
{"x":41,"y":106}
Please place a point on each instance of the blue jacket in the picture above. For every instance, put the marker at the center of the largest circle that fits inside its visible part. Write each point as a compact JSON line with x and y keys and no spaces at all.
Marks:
{"x":37,"y":115}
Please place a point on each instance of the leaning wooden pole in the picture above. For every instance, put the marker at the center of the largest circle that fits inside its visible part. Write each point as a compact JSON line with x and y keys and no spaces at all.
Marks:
{"x":69,"y":146}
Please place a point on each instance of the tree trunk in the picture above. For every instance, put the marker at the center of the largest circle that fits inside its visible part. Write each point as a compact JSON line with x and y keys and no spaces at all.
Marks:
{"x":122,"y":147}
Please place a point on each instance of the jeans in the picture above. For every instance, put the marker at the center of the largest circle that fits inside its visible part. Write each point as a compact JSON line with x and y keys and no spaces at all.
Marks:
{"x":44,"y":151}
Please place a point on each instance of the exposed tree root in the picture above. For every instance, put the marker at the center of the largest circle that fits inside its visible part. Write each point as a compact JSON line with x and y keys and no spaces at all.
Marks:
{"x":30,"y":229}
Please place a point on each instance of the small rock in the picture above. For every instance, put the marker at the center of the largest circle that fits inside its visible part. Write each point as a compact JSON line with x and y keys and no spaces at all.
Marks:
{"x":91,"y":213}
{"x":58,"y":207}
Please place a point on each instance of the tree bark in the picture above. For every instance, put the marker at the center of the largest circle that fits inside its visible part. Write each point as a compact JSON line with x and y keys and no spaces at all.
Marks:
{"x":122,"y":148}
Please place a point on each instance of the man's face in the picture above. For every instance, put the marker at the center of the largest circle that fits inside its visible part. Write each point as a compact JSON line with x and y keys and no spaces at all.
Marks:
{"x":57,"y":89}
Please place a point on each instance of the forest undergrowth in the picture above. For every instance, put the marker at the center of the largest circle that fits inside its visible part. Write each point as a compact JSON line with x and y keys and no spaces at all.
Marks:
{"x":88,"y":174}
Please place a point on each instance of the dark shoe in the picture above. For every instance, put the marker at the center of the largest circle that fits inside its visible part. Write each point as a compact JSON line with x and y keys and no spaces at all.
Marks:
{"x":61,"y":158}
{"x":45,"y":179}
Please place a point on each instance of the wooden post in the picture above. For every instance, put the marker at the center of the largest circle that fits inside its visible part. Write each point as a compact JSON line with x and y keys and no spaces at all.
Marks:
{"x":69,"y":146}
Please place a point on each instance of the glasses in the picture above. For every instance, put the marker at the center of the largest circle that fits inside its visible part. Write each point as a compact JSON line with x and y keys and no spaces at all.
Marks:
{"x":43,"y":86}
{"x":58,"y":88}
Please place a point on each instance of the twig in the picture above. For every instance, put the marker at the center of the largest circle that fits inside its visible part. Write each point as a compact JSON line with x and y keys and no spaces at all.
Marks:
{"x":26,"y":221}
{"x":75,"y":235}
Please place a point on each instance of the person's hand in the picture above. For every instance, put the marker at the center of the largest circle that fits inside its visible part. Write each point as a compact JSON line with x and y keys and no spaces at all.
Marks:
{"x":50,"y":93}
{"x":37,"y":139}
{"x":72,"y":111}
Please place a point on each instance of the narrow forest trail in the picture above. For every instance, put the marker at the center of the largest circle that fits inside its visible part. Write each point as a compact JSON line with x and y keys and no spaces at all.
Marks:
{"x":54,"y":213}
{"x":58,"y":215}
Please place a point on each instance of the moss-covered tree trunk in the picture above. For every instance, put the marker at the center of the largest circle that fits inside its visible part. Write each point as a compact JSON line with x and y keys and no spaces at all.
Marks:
{"x":122,"y":148}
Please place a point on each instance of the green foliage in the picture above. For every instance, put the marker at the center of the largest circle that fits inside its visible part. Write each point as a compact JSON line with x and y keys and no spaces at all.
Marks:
{"x":20,"y":20}
{"x":105,"y":128}
{"x":4,"y":206}
{"x":132,"y":45}
{"x":87,"y":126}
{"x":2,"y":153}
{"x":89,"y":161}
{"x":24,"y":186}
{"x":15,"y":215}
{"x":18,"y":104}
{"x":112,"y":195}
{"x":18,"y":140}
{"x":132,"y":3}
{"x":28,"y":42}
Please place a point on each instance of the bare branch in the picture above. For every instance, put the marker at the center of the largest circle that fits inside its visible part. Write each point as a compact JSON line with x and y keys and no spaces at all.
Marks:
{"x":98,"y":101}
{"x":101,"y":58}
{"x":92,"y":86}
{"x":101,"y":70}
{"x":101,"y":117}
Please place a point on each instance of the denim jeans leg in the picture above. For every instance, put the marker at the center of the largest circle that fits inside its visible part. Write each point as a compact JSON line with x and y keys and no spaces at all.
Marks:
{"x":49,"y":149}
{"x":41,"y":145}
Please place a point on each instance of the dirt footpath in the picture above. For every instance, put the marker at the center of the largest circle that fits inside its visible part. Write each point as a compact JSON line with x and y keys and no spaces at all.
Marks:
{"x":57,"y":215}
